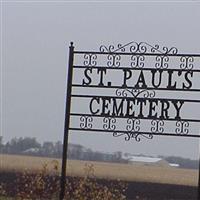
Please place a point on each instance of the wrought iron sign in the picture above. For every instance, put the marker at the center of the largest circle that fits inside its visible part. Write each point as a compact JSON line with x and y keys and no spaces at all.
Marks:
{"x":134,"y":91}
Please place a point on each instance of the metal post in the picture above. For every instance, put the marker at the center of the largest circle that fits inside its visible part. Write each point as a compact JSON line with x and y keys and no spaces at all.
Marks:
{"x":198,"y":195}
{"x":67,"y":120}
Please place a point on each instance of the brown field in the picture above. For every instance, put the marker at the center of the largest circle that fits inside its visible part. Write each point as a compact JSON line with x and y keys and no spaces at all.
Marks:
{"x":126,"y":172}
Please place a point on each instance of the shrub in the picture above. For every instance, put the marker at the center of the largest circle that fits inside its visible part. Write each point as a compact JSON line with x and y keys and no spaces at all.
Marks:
{"x":45,"y":185}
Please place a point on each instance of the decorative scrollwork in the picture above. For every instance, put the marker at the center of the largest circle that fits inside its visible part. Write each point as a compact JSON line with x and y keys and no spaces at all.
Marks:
{"x":149,"y":94}
{"x":182,"y":127}
{"x":127,"y":135}
{"x":86,"y":122}
{"x":132,"y":135}
{"x":112,"y":48}
{"x":109,"y":123}
{"x":90,"y":60}
{"x":113,"y":60}
{"x":144,"y":47}
{"x":137,"y":61}
{"x":147,"y":136}
{"x":135,"y":92}
{"x":162,"y":62}
{"x":141,"y":47}
{"x":172,"y":50}
{"x":187,"y":62}
{"x":138,"y":47}
{"x":133,"y":125}
{"x":133,"y":128}
{"x":157,"y":126}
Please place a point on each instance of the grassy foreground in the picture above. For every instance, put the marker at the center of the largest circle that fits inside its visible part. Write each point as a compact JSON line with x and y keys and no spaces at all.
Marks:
{"x":44,"y":184}
{"x":35,"y":178}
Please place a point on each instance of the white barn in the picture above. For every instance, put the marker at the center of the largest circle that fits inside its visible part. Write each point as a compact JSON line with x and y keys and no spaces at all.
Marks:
{"x":143,"y":160}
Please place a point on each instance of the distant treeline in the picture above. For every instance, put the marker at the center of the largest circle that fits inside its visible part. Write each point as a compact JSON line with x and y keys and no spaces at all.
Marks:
{"x":30,"y":146}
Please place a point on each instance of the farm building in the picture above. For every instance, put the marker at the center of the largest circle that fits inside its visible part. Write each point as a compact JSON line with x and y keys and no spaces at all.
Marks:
{"x":143,"y":160}
{"x":31,"y":150}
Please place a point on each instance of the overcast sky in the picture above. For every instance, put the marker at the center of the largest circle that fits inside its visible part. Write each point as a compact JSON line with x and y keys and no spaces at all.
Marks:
{"x":35,"y":41}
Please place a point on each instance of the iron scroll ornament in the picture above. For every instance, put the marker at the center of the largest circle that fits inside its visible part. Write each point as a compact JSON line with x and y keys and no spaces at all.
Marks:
{"x":133,"y":135}
{"x":157,"y":126}
{"x":182,"y":127}
{"x":109,"y":123}
{"x":90,"y":60}
{"x":121,"y":92}
{"x":86,"y":122}
{"x":187,"y":62}
{"x":113,"y":60}
{"x":161,"y":60}
{"x":133,"y":128}
{"x":141,"y":48}
{"x":137,"y":61}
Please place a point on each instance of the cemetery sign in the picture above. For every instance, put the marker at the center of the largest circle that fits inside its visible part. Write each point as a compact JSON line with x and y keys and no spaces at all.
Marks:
{"x":134,"y":91}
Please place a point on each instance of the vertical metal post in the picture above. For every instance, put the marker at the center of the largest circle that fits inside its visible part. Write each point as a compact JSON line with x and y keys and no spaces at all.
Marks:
{"x":198,"y":195}
{"x":67,"y":120}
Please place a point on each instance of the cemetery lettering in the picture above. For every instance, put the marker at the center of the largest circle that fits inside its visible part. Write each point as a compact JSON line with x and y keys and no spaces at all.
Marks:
{"x":138,"y":79}
{"x":136,"y":108}
{"x":150,"y":108}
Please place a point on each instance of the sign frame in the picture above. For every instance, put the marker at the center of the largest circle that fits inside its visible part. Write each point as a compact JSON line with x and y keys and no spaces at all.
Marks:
{"x":138,"y":52}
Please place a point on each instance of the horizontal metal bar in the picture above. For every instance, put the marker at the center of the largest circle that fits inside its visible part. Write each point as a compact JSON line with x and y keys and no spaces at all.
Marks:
{"x":132,"y":68}
{"x":143,"y":118}
{"x":148,"y":88}
{"x":116,"y":97}
{"x":142,"y":133}
{"x":142,"y":54}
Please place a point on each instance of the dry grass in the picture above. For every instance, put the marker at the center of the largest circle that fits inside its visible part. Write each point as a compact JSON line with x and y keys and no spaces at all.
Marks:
{"x":141,"y":173}
{"x":41,"y":186}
